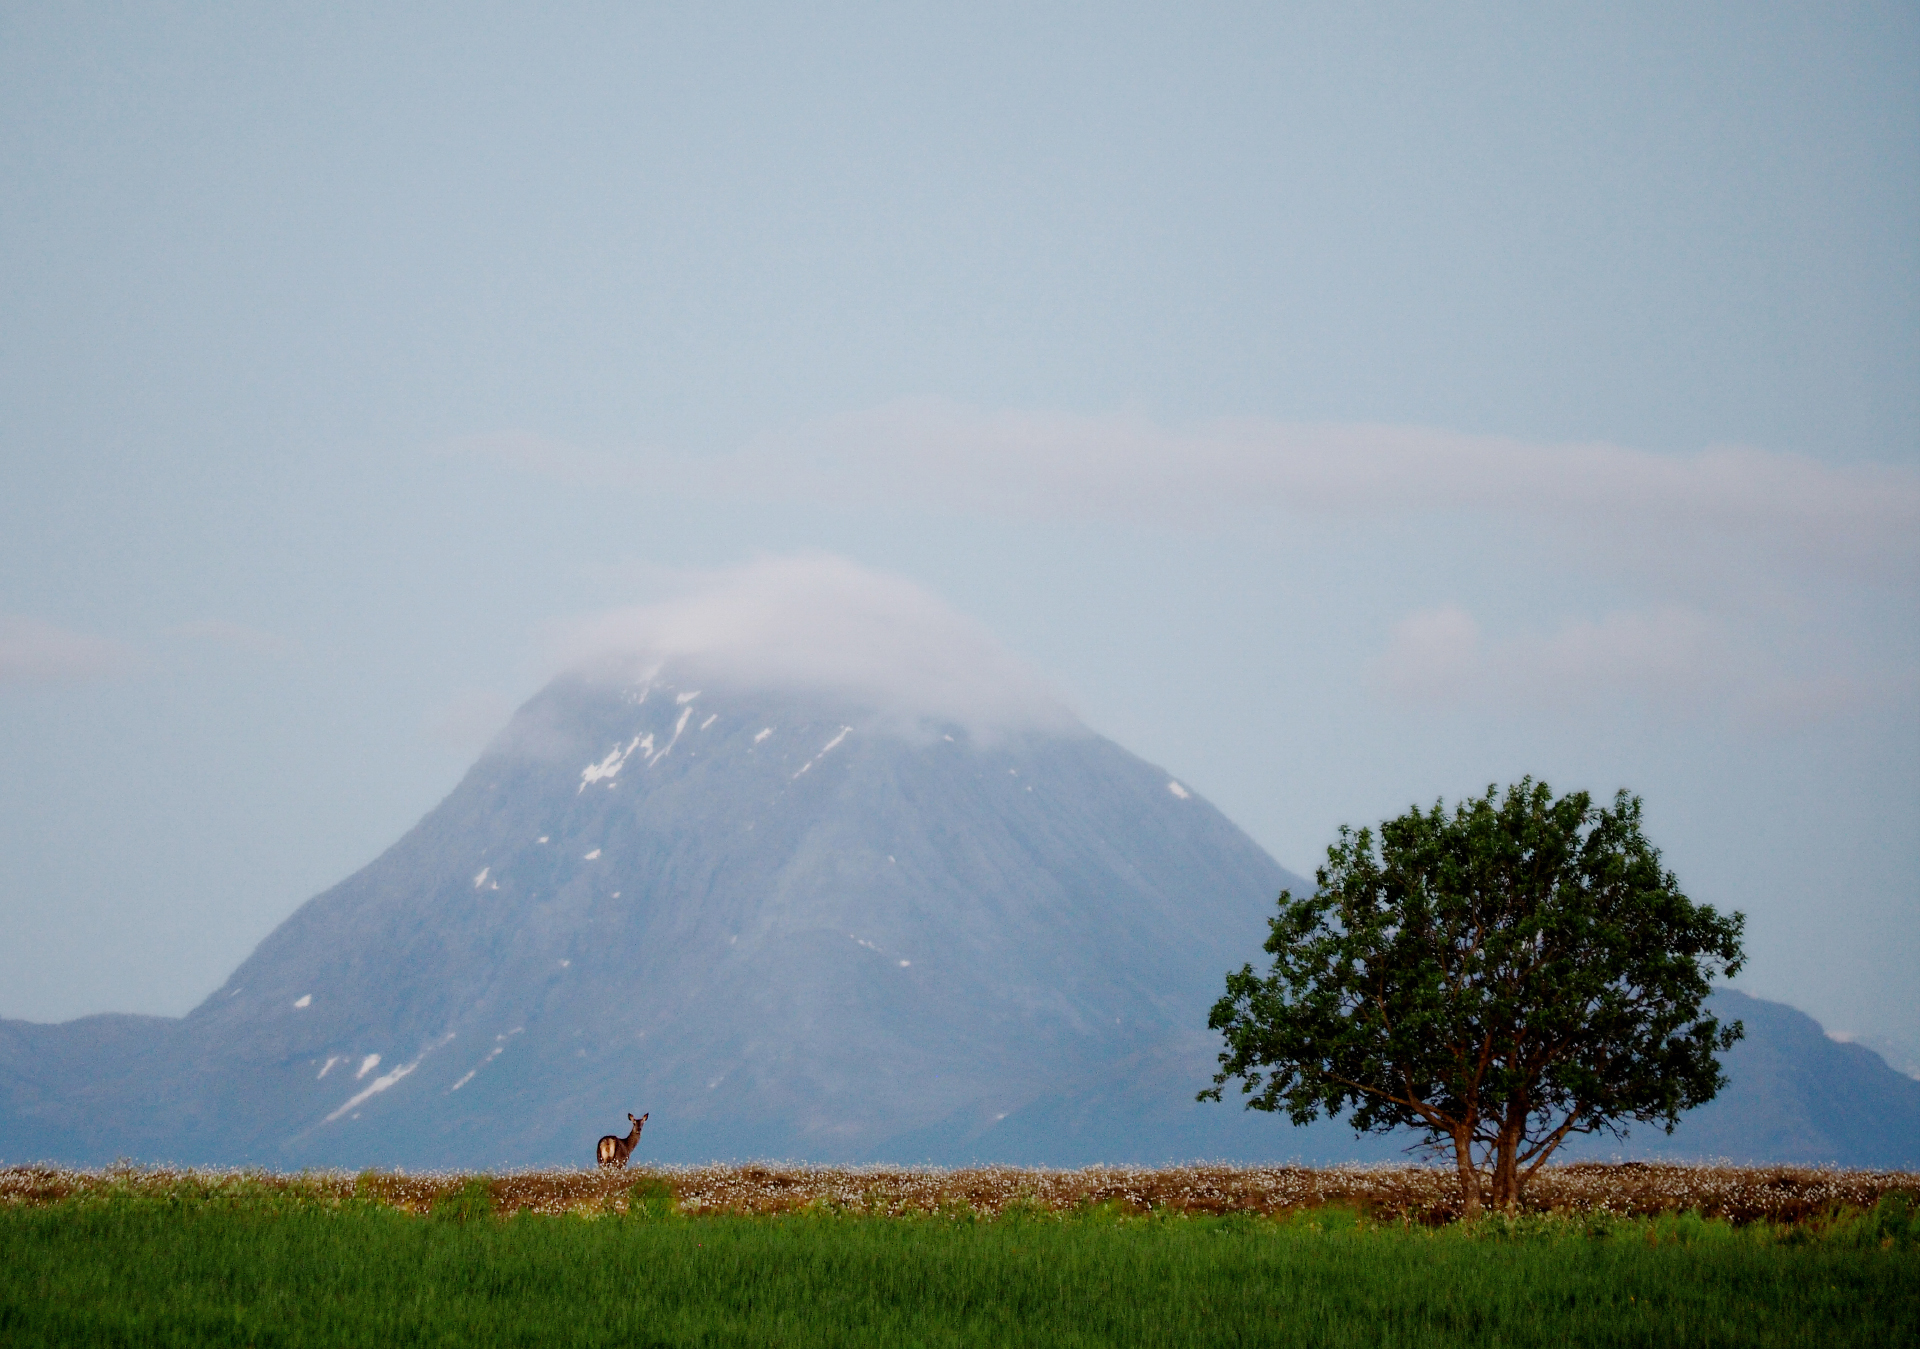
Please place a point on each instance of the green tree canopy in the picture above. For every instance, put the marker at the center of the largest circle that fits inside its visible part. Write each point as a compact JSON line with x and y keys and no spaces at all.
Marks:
{"x":1501,"y":977}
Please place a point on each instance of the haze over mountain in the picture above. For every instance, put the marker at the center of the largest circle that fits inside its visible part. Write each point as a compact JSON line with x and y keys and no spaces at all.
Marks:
{"x":814,"y":870}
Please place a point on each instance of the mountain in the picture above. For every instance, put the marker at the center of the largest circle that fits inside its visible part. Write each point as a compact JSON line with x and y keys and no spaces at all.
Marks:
{"x":787,"y":924}
{"x":1794,"y":1093}
{"x":783,"y":924}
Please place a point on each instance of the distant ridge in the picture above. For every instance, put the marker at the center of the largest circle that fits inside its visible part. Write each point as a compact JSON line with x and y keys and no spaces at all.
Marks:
{"x":789,"y":926}
{"x":1796,"y":1095}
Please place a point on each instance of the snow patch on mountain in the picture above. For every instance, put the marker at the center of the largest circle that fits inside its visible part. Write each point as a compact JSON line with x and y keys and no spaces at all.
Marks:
{"x":616,"y":759}
{"x":374,"y":1088}
{"x":678,"y":727}
{"x":825,"y":750}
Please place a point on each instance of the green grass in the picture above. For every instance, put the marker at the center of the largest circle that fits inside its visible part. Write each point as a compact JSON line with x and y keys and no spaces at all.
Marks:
{"x":131,"y":1271}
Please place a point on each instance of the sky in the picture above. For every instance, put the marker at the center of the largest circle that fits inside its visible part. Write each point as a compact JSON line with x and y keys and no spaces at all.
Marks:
{"x":1344,"y":407}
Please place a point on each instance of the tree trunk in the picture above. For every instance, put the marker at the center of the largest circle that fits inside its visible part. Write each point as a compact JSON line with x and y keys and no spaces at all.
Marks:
{"x":1506,"y":1157}
{"x":1506,"y":1178}
{"x":1469,"y":1178}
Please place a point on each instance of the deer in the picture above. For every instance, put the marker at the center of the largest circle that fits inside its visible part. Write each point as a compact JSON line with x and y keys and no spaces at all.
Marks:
{"x":614,"y":1150}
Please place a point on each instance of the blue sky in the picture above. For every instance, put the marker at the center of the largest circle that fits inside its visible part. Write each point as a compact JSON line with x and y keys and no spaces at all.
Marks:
{"x":1343,"y":406}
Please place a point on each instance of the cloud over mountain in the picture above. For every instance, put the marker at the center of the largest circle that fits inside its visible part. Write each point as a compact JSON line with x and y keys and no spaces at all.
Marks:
{"x":1773,"y":587}
{"x":816,"y":623}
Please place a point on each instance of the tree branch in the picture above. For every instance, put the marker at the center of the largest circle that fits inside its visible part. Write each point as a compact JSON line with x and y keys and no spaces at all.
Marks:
{"x":1544,"y":1148}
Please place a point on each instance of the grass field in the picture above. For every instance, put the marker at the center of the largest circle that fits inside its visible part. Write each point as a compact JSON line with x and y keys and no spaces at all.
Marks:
{"x":134,"y":1258}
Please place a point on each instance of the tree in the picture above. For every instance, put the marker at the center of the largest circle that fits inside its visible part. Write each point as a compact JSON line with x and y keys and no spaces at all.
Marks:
{"x":1501,"y":978}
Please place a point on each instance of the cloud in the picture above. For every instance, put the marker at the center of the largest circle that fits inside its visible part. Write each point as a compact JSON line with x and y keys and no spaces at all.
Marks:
{"x":1668,"y":657}
{"x":1774,"y":587}
{"x":819,"y":623}
{"x":1433,"y":658}
{"x":1861,"y":519}
{"x":33,"y":652}
{"x":240,"y":636}
{"x":1784,"y":706}
{"x":1671,"y":660}
{"x":1632,"y":507}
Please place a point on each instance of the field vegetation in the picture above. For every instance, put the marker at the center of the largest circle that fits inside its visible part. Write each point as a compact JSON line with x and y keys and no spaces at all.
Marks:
{"x":1426,"y":1195}
{"x":1626,"y":1255}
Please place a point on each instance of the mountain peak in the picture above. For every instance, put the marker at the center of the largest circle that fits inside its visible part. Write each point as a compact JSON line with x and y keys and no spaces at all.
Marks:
{"x":820,"y":625}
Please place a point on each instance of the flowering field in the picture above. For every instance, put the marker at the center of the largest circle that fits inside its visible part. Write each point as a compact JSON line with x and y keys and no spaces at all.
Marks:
{"x":788,"y":1255}
{"x":1384,"y":1193}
